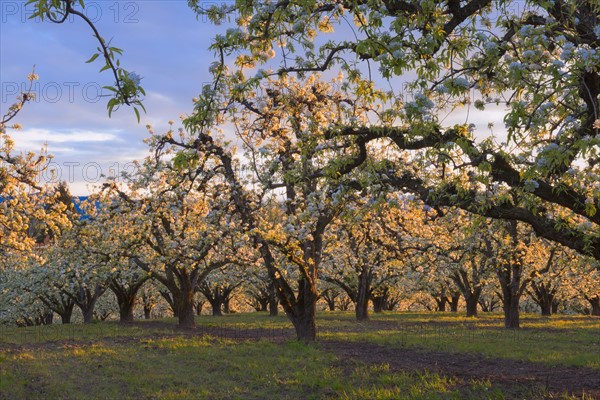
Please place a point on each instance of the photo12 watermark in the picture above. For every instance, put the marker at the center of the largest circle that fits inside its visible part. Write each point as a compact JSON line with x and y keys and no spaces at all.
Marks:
{"x":53,"y":92}
{"x":88,"y":172}
{"x":118,"y":12}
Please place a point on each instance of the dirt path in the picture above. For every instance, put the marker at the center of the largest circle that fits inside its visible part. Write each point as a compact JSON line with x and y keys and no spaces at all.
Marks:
{"x":466,"y":367}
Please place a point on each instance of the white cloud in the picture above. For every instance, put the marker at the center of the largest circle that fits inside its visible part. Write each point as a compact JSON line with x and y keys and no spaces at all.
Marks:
{"x":34,"y":137}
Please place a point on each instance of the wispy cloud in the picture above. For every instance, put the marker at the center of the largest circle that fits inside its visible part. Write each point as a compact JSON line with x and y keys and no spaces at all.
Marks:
{"x":34,"y":137}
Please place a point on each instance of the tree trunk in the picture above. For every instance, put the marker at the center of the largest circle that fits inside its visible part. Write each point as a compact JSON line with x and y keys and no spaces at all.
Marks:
{"x":126,"y":294}
{"x":199,"y":306}
{"x":147,"y":311}
{"x":378,"y":303}
{"x":301,"y":306}
{"x":471,"y":303}
{"x":364,"y":291}
{"x":555,"y":304}
{"x":546,"y":306}
{"x":86,"y":300}
{"x":543,"y":295}
{"x":512,"y":289}
{"x":304,"y":313}
{"x":216,"y":304}
{"x":362,"y":308}
{"x":454,"y":302}
{"x":48,"y":318}
{"x":511,"y":313}
{"x":595,"y":303}
{"x":126,"y":301}
{"x":126,"y":312}
{"x":227,"y":306}
{"x":273,"y":301}
{"x":87,"y":308}
{"x":273,"y":307}
{"x":186,"y":308}
{"x":441,"y":303}
{"x":88,"y":313}
{"x":67,"y":312}
{"x":185,"y":304}
{"x":65,"y":318}
{"x":330,"y":303}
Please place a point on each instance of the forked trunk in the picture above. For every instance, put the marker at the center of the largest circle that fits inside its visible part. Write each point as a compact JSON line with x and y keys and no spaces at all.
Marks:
{"x":48,"y":318}
{"x":126,"y":305}
{"x":472,"y":300}
{"x":126,"y":295}
{"x":543,"y":295}
{"x":512,"y":289}
{"x":67,"y":312}
{"x":330,"y":303}
{"x":441,"y":303}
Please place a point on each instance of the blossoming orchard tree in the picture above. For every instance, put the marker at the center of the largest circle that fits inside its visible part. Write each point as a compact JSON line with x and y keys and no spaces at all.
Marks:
{"x":536,"y":62}
{"x":292,"y":192}
{"x":549,"y":287}
{"x":31,"y":215}
{"x":179,"y":223}
{"x":353,"y":261}
{"x":470,"y":259}
{"x":282,"y":131}
{"x":587,"y":291}
{"x":372,"y":245}
{"x":29,"y":212}
{"x":260,"y":290}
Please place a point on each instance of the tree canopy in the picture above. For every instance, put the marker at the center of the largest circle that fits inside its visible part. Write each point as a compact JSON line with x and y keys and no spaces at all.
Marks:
{"x":535,"y":61}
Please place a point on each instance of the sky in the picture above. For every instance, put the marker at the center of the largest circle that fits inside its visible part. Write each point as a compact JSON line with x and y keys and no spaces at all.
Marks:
{"x":163,"y":42}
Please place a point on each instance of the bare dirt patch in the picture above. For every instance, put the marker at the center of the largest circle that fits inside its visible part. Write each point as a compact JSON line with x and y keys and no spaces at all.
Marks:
{"x":467,"y":367}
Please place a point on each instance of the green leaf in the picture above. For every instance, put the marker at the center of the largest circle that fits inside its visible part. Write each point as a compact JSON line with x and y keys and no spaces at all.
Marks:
{"x":93,"y":58}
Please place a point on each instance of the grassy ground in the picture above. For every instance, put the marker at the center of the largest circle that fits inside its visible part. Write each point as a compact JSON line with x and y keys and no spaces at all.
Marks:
{"x":151,"y":361}
{"x":566,"y":340}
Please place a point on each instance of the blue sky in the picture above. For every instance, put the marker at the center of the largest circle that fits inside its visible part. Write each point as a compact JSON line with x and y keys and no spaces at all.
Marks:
{"x":162,"y":41}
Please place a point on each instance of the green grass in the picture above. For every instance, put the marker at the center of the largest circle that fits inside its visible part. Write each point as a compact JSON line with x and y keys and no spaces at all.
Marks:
{"x":182,"y":368}
{"x":566,"y":340}
{"x":108,"y":361}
